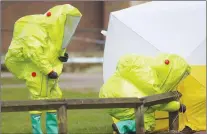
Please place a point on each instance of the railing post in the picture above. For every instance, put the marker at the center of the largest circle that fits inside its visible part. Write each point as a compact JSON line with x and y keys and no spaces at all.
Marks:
{"x":140,"y":120}
{"x":174,"y":121}
{"x":62,"y":120}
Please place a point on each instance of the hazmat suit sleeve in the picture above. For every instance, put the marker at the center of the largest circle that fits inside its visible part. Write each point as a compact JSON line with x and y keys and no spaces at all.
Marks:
{"x":35,"y":52}
{"x":168,"y":107}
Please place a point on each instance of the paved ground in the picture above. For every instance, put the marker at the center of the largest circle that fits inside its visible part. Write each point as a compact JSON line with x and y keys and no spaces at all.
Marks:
{"x":76,"y":81}
{"x":200,"y":132}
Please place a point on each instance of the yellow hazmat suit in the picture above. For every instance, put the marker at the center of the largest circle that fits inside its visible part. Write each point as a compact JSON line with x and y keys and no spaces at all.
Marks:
{"x":139,"y":76}
{"x":37,"y":43}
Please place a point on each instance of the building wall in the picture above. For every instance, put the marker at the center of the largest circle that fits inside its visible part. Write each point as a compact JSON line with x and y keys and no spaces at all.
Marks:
{"x":110,"y":6}
{"x":134,"y":3}
{"x":92,"y":18}
{"x":95,"y":17}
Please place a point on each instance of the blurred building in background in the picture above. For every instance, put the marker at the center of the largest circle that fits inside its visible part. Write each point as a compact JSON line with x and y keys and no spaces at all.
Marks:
{"x":87,"y":37}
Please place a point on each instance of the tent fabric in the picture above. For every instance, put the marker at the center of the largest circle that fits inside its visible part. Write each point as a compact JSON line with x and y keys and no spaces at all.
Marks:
{"x":194,"y":97}
{"x":177,"y":27}
{"x":167,"y":17}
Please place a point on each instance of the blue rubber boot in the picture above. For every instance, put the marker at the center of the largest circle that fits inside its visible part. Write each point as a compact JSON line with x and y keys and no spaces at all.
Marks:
{"x":51,"y":123}
{"x":126,"y":127}
{"x":36,"y":123}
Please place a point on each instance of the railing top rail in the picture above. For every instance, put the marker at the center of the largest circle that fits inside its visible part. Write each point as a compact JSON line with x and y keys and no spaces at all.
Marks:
{"x":161,"y":98}
{"x":17,"y":106}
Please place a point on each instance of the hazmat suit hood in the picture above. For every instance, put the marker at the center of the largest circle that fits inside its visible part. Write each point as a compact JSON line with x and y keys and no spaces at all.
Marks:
{"x":153,"y":75}
{"x":59,"y":23}
{"x":67,"y":18}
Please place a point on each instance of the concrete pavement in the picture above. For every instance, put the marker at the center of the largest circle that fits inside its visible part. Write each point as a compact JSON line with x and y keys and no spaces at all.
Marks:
{"x":76,"y":81}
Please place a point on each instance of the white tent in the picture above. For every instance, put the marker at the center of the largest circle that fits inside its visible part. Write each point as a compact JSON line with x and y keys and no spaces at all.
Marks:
{"x":164,"y":26}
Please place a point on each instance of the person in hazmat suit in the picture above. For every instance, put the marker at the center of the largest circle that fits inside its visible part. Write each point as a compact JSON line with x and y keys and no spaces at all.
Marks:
{"x":36,"y":55}
{"x":140,"y":76}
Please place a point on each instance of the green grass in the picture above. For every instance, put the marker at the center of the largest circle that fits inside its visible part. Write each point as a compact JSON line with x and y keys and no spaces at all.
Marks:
{"x":79,"y":121}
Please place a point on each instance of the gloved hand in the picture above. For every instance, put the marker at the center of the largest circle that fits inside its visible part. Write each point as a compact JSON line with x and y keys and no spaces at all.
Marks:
{"x":53,"y":75}
{"x":64,"y":58}
{"x":182,"y":108}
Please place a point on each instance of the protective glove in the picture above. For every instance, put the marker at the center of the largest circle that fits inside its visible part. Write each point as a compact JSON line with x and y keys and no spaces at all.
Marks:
{"x":53,"y":75}
{"x":182,"y":108}
{"x":64,"y":58}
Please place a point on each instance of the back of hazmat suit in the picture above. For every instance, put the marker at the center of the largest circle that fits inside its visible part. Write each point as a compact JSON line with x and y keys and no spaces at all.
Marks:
{"x":36,"y":55}
{"x":140,"y":76}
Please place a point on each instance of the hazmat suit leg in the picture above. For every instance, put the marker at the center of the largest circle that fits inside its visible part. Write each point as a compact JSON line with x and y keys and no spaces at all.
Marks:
{"x":41,"y":88}
{"x":51,"y":116}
